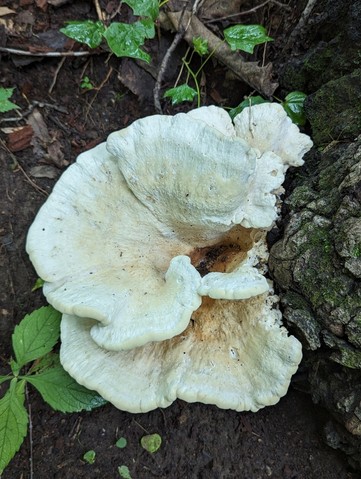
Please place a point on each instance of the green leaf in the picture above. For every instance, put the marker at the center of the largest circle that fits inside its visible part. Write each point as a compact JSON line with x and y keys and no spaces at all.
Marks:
{"x":151,"y":442}
{"x":62,"y":392}
{"x":200,"y":45}
{"x":251,"y":100}
{"x":180,"y":93}
{"x":121,"y":443}
{"x":5,"y":378}
{"x":124,"y":472}
{"x":294,"y":107}
{"x":39,"y":283}
{"x":144,"y":8}
{"x":36,"y":335}
{"x":89,"y":456}
{"x":148,"y":27}
{"x":125,"y":40}
{"x":13,"y":422}
{"x":245,"y":37}
{"x":5,"y":104}
{"x":88,"y":32}
{"x":86,"y":83}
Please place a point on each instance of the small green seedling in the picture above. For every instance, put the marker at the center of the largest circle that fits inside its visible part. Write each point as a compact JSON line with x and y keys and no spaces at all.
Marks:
{"x":35,"y":363}
{"x":5,"y":103}
{"x":151,"y":442}
{"x":121,"y":443}
{"x":124,"y":472}
{"x":39,"y":283}
{"x":89,"y":456}
{"x":86,"y":84}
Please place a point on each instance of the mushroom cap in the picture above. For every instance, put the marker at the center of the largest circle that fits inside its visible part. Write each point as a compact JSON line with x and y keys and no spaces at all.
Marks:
{"x":234,"y":355}
{"x":202,"y":160}
{"x":268,"y":128}
{"x":117,"y":221}
{"x":104,"y":255}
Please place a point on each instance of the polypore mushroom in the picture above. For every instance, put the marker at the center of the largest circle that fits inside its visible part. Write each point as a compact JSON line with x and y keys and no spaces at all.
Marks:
{"x":139,"y":229}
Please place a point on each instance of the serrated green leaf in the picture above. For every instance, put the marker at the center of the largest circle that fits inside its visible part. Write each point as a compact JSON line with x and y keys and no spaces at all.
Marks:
{"x":151,"y":442}
{"x":124,"y":472}
{"x":13,"y":422}
{"x":125,"y":40}
{"x":200,"y":45}
{"x":5,"y":104}
{"x":89,"y":456}
{"x":180,"y":93}
{"x":88,"y":32}
{"x":144,"y":8}
{"x":294,"y":107}
{"x":62,"y":392}
{"x":36,"y":334}
{"x":245,"y":37}
{"x":252,"y":100}
{"x":121,"y":443}
{"x":47,"y":361}
{"x":39,"y":283}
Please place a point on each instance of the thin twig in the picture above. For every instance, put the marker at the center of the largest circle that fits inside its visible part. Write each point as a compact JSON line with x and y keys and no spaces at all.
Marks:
{"x":100,"y":14}
{"x":26,"y":53}
{"x":16,"y":164}
{"x":31,"y":462}
{"x":97,"y":89}
{"x":300,"y":25}
{"x":61,"y":63}
{"x":248,"y":12}
{"x":177,"y":39}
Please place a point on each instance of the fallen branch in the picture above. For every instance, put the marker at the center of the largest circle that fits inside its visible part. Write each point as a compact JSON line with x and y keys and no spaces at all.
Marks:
{"x":251,"y":73}
{"x":26,"y":53}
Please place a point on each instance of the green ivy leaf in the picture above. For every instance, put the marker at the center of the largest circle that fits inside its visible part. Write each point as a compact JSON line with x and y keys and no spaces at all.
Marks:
{"x":13,"y":422}
{"x":180,"y":93}
{"x":144,"y":8}
{"x":36,"y":334}
{"x":124,"y":472}
{"x":245,"y":37}
{"x":125,"y":40}
{"x":62,"y":392}
{"x":148,"y":27}
{"x":5,"y":104}
{"x":294,"y":107}
{"x":151,"y":442}
{"x":252,"y":100}
{"x":88,"y":32}
{"x":200,"y":45}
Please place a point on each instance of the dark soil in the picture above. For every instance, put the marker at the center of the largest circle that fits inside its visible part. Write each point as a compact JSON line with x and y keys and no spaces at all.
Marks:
{"x":199,"y":441}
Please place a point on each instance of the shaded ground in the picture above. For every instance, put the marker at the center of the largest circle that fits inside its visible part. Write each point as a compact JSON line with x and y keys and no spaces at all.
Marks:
{"x":199,"y":441}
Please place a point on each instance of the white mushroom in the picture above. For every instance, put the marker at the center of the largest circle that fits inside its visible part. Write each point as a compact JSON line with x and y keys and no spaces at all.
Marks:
{"x":138,"y":236}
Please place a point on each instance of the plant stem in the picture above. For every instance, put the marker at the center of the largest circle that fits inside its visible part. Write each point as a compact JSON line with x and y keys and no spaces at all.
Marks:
{"x":194,"y":76}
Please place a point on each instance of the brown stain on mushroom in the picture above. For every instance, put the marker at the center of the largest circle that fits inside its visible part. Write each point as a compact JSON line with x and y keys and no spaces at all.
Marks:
{"x":226,"y":254}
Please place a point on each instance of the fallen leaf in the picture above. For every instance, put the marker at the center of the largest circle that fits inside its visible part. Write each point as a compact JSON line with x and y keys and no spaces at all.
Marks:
{"x":44,"y":171}
{"x":20,"y":138}
{"x":5,"y":11}
{"x":137,"y":80}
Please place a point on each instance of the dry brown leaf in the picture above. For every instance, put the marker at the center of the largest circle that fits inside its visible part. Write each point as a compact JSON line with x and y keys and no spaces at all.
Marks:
{"x":44,"y":171}
{"x":20,"y":138}
{"x":6,"y":11}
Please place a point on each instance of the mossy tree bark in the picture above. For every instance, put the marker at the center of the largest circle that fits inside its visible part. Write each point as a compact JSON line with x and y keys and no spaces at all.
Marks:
{"x":316,"y":263}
